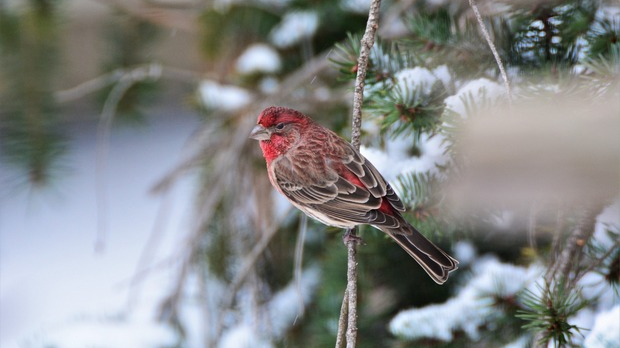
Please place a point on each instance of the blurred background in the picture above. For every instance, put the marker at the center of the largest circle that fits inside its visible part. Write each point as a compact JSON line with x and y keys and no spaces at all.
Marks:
{"x":134,"y":211}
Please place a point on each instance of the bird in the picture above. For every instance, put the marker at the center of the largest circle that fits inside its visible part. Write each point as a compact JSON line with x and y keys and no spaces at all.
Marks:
{"x":329,"y":180}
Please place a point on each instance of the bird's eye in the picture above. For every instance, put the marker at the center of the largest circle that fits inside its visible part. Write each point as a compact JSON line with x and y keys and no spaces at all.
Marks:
{"x":279,"y":126}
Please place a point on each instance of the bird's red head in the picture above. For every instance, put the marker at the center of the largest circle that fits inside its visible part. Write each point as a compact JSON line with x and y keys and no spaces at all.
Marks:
{"x":278,"y":129}
{"x":274,"y":115}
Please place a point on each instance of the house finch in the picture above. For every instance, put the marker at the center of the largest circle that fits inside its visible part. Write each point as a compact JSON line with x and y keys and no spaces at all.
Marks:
{"x":329,"y":180}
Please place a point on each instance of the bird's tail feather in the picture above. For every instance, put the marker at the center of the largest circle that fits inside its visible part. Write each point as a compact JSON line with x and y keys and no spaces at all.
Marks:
{"x":436,"y":262}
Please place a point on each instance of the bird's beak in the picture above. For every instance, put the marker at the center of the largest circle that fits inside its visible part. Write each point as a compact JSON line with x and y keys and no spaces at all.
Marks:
{"x":260,"y":133}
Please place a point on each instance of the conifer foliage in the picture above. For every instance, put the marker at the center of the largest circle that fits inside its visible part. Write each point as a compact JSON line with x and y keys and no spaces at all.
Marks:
{"x":539,"y":267}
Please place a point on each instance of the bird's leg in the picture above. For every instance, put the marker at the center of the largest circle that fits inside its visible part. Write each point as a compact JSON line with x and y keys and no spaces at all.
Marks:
{"x":350,"y":236}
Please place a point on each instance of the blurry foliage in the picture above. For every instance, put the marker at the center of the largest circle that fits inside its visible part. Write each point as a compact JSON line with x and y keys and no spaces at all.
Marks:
{"x":31,"y":138}
{"x":234,"y":28}
{"x":129,"y":41}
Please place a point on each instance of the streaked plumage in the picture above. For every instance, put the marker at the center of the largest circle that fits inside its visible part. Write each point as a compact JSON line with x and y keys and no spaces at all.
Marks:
{"x":326,"y":178}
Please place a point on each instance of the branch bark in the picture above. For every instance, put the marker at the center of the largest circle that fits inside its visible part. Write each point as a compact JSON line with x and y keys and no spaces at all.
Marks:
{"x":350,"y":298}
{"x":487,"y":37}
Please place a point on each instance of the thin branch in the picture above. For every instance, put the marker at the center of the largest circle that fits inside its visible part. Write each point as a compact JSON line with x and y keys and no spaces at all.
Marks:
{"x":597,"y":262}
{"x":571,"y":254}
{"x":352,"y":293}
{"x":152,"y":70}
{"x":103,"y":131}
{"x":342,"y":321}
{"x":299,"y":256}
{"x":368,"y":40}
{"x":487,"y":37}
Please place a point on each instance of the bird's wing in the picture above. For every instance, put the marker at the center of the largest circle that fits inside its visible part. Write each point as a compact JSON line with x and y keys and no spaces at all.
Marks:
{"x":370,"y":177}
{"x":328,"y":191}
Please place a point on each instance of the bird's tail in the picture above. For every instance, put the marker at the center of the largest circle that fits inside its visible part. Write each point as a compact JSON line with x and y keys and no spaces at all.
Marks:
{"x":436,"y":262}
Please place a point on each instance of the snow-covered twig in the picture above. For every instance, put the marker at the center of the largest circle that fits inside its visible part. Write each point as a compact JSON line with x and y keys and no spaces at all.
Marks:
{"x":487,"y":37}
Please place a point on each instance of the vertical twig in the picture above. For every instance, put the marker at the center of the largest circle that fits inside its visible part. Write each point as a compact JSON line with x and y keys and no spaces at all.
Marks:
{"x":342,"y":321}
{"x":352,"y":292}
{"x":350,"y":298}
{"x":299,"y":257}
{"x":487,"y":37}
{"x":368,"y":40}
{"x":125,"y":82}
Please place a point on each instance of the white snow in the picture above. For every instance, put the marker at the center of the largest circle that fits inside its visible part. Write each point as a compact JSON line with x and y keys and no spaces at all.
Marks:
{"x":470,"y":308}
{"x":259,"y":58}
{"x":55,"y":289}
{"x":608,"y":11}
{"x":268,"y":85}
{"x":107,"y":333}
{"x":610,"y":216}
{"x":285,"y":306}
{"x":443,"y":74}
{"x":465,"y":252}
{"x":243,"y":336}
{"x":521,"y":342}
{"x":479,"y":90}
{"x":355,"y":6}
{"x":294,"y":27}
{"x":223,"y":97}
{"x":606,"y":330}
{"x":396,"y":160}
{"x":417,"y":79}
{"x":282,"y":311}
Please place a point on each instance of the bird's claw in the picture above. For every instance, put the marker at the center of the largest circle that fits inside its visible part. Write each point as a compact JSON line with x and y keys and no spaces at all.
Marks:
{"x":350,"y":236}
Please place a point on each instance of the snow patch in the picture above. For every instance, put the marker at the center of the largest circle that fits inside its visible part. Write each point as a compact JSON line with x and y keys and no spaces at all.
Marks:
{"x":521,"y":342}
{"x":243,"y":336}
{"x":471,"y":308}
{"x":355,"y":6}
{"x":416,"y":78}
{"x":294,"y":27}
{"x":281,"y":311}
{"x":259,"y":58}
{"x":465,"y":252}
{"x":109,"y":333}
{"x":223,"y":97}
{"x":396,"y":160}
{"x":479,"y":90}
{"x":606,"y":330}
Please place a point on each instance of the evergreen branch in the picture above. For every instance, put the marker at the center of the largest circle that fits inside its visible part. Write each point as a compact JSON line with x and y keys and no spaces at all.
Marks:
{"x":558,"y":274}
{"x":487,"y":37}
{"x":548,"y":311}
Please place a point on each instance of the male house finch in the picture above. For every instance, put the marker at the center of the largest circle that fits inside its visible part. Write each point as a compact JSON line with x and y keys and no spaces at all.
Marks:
{"x":329,"y":180}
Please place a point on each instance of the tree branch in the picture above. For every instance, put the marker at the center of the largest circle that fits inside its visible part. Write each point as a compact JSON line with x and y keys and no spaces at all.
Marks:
{"x":125,"y":81}
{"x":487,"y":37}
{"x":342,"y":321}
{"x":367,"y":42}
